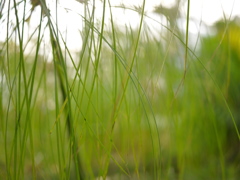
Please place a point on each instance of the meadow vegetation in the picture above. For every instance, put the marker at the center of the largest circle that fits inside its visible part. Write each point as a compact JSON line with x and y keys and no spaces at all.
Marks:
{"x":126,"y":105}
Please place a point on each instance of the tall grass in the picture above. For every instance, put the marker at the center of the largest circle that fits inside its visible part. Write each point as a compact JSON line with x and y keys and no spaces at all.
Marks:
{"x":126,"y":105}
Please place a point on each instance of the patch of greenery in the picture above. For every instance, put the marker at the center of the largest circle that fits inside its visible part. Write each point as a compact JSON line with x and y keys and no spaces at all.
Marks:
{"x":128,"y":105}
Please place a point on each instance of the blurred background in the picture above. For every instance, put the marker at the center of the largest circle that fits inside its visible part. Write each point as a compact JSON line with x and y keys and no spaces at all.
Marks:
{"x":105,"y":89}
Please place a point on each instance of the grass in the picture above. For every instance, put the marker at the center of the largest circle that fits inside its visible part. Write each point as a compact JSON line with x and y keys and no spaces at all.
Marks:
{"x":126,"y":105}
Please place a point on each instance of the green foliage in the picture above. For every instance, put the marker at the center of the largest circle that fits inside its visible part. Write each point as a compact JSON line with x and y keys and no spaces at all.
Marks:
{"x":130,"y":106}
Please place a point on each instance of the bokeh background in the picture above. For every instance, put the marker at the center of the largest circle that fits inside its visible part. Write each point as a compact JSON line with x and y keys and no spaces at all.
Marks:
{"x":119,"y":90}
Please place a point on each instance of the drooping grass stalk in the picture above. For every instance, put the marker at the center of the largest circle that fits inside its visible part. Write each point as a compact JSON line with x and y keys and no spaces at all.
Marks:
{"x":61,"y":73}
{"x":63,"y":79}
{"x":65,"y":95}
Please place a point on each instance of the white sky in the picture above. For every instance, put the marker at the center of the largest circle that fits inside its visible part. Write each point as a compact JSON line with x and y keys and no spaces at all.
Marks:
{"x":209,"y":11}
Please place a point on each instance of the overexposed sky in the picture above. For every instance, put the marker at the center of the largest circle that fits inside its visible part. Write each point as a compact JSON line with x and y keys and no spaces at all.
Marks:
{"x":70,"y":11}
{"x":207,"y":11}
